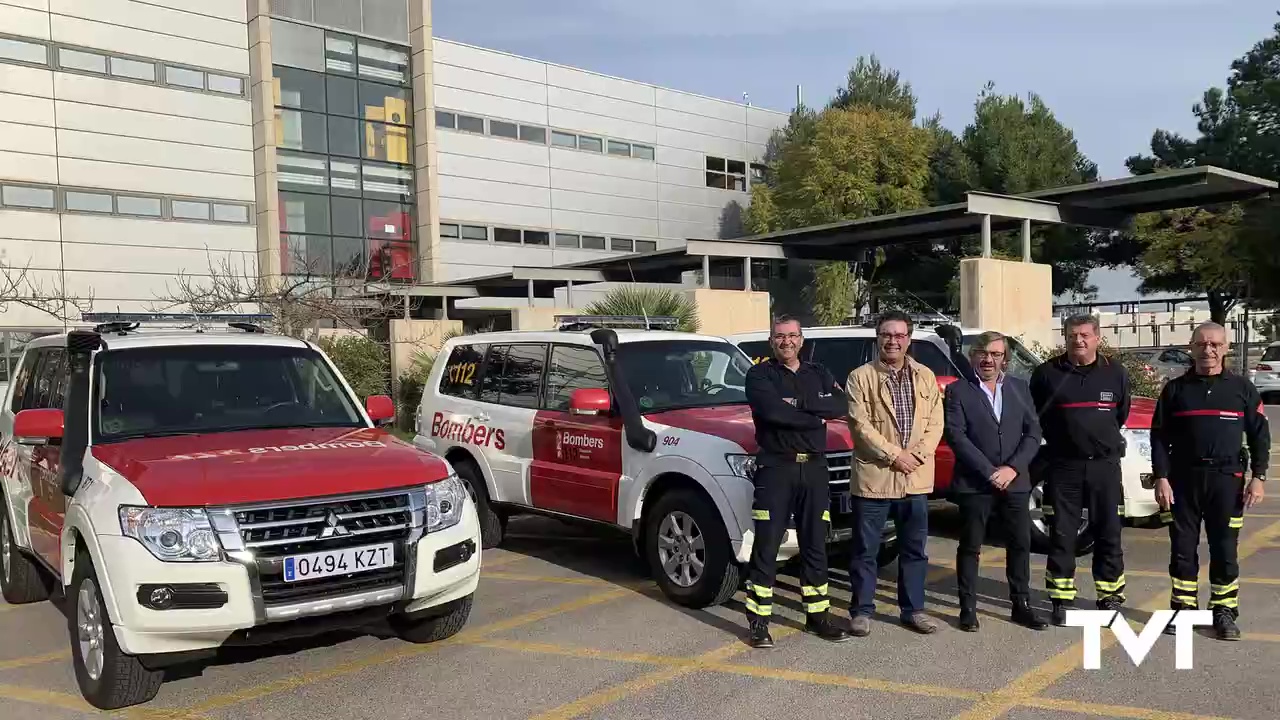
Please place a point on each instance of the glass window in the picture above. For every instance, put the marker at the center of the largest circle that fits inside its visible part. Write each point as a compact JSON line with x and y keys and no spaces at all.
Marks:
{"x":344,"y":178}
{"x":572,"y":368}
{"x":190,"y":210}
{"x":348,"y":218}
{"x":513,"y":375}
{"x":143,"y":392}
{"x":594,"y":144}
{"x":461,"y":374}
{"x":503,"y":129}
{"x":226,"y":84}
{"x":89,"y":202}
{"x":383,"y":62}
{"x":343,"y":14}
{"x":928,"y":354}
{"x":136,"y":69}
{"x":387,"y":220}
{"x":297,"y":45}
{"x":133,"y":205}
{"x":621,"y":245}
{"x":446,"y":120}
{"x":296,"y":9}
{"x":671,"y":374}
{"x":566,"y":240}
{"x":644,"y":152}
{"x":342,"y":98}
{"x":715,"y":163}
{"x":304,"y":214}
{"x":467,"y":123}
{"x":385,"y":103}
{"x":530,"y":133}
{"x":295,"y":170}
{"x":537,"y":237}
{"x":1271,"y":353}
{"x":223,"y":212}
{"x":183,"y":77}
{"x":646,"y":245}
{"x":759,"y":350}
{"x":349,"y":257}
{"x":388,"y":143}
{"x":619,"y":148}
{"x":448,"y":230}
{"x":387,"y":18}
{"x":307,"y":255}
{"x":32,"y":197}
{"x":23,"y":51}
{"x":840,"y":355}
{"x":339,"y":53}
{"x":592,"y":242}
{"x":299,"y":89}
{"x":391,"y":261}
{"x":388,"y":180}
{"x":475,"y":232}
{"x":344,"y":136}
{"x":564,"y":139}
{"x":506,"y":235}
{"x":298,"y":130}
{"x":737,"y":167}
{"x":78,"y":60}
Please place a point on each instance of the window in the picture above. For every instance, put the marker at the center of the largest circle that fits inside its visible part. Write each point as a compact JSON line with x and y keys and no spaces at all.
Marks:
{"x":572,"y":368}
{"x":295,"y":170}
{"x":298,"y":130}
{"x":183,"y":77}
{"x":226,"y":84}
{"x":475,"y":232}
{"x":344,"y":178}
{"x":387,"y":220}
{"x":671,"y":374}
{"x":348,"y":256}
{"x":531,"y":133}
{"x":759,"y":173}
{"x":759,"y":350}
{"x":446,"y":120}
{"x":619,"y":148}
{"x":593,"y":144}
{"x":471,"y":124}
{"x":304,"y":213}
{"x":537,"y":237}
{"x":396,"y":182}
{"x":840,"y":355}
{"x":341,"y":96}
{"x":1271,"y":354}
{"x":47,"y":384}
{"x":293,"y":44}
{"x":461,"y":372}
{"x":89,"y":202}
{"x":20,"y":383}
{"x":344,"y":136}
{"x":448,"y":230}
{"x":513,"y":375}
{"x":592,"y":242}
{"x":299,"y":89}
{"x":383,"y":62}
{"x":135,"y":69}
{"x":726,"y":174}
{"x":339,"y":53}
{"x":503,"y":129}
{"x":386,"y":18}
{"x":347,"y":217}
{"x":506,"y":235}
{"x":621,"y":245}
{"x":338,"y":13}
{"x":23,"y":51}
{"x":644,"y":152}
{"x":133,"y":205}
{"x":188,"y":210}
{"x":223,"y":212}
{"x":928,"y":354}
{"x":389,"y":143}
{"x":564,"y":139}
{"x":31,"y":197}
{"x":646,"y":245}
{"x":77,"y":60}
{"x":385,"y":103}
{"x":564,"y":240}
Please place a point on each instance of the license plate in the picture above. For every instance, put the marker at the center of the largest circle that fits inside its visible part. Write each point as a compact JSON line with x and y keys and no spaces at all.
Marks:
{"x":338,"y":562}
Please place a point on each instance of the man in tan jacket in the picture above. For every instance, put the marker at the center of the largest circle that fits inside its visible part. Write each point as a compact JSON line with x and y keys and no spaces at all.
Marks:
{"x":895,"y":415}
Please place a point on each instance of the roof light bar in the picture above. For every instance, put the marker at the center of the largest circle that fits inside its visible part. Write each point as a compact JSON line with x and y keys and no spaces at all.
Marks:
{"x":206,"y":318}
{"x":653,"y":322}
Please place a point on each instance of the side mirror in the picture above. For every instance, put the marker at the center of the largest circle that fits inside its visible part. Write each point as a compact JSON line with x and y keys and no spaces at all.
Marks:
{"x":607,"y":339}
{"x":37,"y":426}
{"x":952,"y":336}
{"x":590,"y":401}
{"x":380,"y":408}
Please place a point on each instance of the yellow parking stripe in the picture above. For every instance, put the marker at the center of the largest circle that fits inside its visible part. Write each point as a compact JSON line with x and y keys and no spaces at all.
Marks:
{"x":34,"y":660}
{"x":1111,"y":711}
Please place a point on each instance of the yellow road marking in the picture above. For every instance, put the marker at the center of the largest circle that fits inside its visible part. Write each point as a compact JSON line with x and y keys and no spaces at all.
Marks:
{"x":500,"y":561}
{"x":1030,"y":684}
{"x":1120,"y":711}
{"x":33,"y":660}
{"x":521,"y":577}
{"x":46,"y":698}
{"x":1262,"y":637}
{"x":347,"y":668}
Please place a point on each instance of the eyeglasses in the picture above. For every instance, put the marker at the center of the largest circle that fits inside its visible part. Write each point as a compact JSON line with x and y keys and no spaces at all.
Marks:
{"x":893,"y":336}
{"x":787,"y":336}
{"x":985,"y":354}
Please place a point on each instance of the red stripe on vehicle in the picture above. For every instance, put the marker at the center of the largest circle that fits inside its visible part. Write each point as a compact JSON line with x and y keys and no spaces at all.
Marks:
{"x":1209,"y":413}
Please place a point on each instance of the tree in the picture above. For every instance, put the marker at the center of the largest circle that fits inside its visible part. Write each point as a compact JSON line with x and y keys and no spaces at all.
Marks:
{"x":638,"y":300}
{"x":871,"y":84}
{"x":19,"y":287}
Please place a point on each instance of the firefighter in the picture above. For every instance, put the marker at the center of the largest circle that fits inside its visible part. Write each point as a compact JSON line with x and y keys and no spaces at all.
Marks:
{"x":790,"y":403}
{"x":1199,"y":461}
{"x":1083,"y":400}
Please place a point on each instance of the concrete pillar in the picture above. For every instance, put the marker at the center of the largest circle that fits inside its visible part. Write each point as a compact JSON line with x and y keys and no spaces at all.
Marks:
{"x":262,"y":100}
{"x":1026,"y":241}
{"x":426,"y":183}
{"x":746,"y":274}
{"x":986,"y":236}
{"x":568,"y":293}
{"x":530,"y":293}
{"x":1015,"y":298}
{"x":706,"y":271}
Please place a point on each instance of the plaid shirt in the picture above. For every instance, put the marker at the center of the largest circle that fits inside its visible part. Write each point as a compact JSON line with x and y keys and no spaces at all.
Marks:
{"x":902,"y":390}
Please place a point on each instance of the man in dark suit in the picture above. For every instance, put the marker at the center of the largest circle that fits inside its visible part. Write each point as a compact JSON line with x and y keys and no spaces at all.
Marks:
{"x":992,"y":427}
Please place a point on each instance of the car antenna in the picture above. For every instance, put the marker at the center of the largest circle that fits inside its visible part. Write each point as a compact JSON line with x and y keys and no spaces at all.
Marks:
{"x":643,"y":310}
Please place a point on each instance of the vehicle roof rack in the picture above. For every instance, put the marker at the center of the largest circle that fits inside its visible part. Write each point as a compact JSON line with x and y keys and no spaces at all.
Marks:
{"x":122,"y":323}
{"x":569,"y":323}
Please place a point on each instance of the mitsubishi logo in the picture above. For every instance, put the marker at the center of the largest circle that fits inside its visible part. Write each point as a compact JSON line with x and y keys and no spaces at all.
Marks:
{"x":332,"y":528}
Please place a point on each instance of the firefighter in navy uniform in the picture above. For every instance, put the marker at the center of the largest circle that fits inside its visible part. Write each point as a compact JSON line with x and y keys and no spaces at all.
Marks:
{"x":1199,"y":461}
{"x":790,"y":404}
{"x":1083,"y":400}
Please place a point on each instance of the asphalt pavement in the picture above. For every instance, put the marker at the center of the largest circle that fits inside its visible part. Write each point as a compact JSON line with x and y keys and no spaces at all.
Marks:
{"x":565,"y":626}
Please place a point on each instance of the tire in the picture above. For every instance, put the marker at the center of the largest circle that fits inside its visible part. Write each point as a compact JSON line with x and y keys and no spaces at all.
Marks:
{"x":492,"y":525}
{"x":22,"y":580}
{"x":1040,"y":530}
{"x":435,"y":627}
{"x":720,"y":576}
{"x":120,"y":679}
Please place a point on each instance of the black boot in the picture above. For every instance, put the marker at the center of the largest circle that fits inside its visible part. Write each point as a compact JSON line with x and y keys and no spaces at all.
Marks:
{"x":969,"y":620}
{"x":1224,"y":623}
{"x":823,"y":626}
{"x":1171,"y":629}
{"x":760,"y":637}
{"x":1112,"y":604}
{"x":1025,"y":615}
{"x":1059,"y":615}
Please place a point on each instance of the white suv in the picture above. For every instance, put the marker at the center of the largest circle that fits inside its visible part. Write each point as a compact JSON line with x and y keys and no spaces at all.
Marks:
{"x":189,"y":490}
{"x":645,"y":431}
{"x":843,"y":348}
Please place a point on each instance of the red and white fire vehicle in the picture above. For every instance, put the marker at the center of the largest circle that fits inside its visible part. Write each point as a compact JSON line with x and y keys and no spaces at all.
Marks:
{"x":190,"y":489}
{"x":647,"y":431}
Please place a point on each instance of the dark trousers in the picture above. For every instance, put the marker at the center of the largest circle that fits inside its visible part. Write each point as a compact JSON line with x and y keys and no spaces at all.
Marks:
{"x":1015,"y":521}
{"x":803,"y":490}
{"x":911,"y":520}
{"x":1071,"y":487}
{"x":1214,"y":497}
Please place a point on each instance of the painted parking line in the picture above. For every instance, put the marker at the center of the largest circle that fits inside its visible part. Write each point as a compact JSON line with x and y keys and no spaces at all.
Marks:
{"x":1111,"y":711}
{"x":1030,"y":684}
{"x":46,"y":698}
{"x":500,"y":561}
{"x":34,"y":660}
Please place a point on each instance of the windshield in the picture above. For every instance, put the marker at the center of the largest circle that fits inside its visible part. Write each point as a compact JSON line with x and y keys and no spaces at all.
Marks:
{"x":672,"y":374}
{"x":149,"y":392}
{"x":1021,"y":361}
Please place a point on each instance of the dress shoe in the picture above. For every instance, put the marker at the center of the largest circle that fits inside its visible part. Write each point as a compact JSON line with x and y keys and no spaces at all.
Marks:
{"x":1025,"y":615}
{"x":921,"y":623}
{"x":860,"y":626}
{"x":969,"y":620}
{"x":826,"y":628}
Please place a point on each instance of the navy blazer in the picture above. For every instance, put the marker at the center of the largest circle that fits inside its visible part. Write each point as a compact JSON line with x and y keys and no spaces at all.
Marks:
{"x":981,"y":444}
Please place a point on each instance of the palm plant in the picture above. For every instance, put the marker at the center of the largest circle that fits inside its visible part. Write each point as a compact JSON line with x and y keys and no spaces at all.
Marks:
{"x":651,"y":301}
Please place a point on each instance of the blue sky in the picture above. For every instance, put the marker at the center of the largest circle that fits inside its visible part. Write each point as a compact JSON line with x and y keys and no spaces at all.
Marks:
{"x":1112,"y":70}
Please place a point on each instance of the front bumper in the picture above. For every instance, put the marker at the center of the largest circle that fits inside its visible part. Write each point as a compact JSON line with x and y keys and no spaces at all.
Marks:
{"x":441,"y":567}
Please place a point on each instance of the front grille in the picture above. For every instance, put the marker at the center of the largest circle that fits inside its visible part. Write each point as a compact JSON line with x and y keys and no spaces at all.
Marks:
{"x":840,"y":467}
{"x":276,"y":532}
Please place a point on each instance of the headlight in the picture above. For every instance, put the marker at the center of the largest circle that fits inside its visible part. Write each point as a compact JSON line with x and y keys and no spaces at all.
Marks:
{"x":744,"y":466}
{"x":172,"y":534}
{"x":444,"y":503}
{"x":1139,"y":440}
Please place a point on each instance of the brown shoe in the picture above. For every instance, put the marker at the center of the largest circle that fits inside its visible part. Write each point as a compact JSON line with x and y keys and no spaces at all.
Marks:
{"x":921,"y":623}
{"x":860,"y":626}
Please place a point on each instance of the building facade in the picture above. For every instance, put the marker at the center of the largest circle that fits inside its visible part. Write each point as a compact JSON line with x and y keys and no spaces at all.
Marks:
{"x":147,"y":148}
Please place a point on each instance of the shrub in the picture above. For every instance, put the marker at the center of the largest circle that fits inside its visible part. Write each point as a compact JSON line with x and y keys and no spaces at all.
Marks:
{"x":1143,"y":380}
{"x":363,"y":362}
{"x":651,"y":301}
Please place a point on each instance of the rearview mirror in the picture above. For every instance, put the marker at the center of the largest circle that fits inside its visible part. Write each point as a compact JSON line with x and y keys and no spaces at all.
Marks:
{"x":590,"y":401}
{"x":380,"y":408}
{"x":38,"y":426}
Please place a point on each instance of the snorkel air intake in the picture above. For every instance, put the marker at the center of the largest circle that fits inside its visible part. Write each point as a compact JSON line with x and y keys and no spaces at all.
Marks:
{"x":638,"y":436}
{"x":81,"y":345}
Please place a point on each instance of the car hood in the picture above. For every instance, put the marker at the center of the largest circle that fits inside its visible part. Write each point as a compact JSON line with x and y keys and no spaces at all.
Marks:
{"x":734,"y":423}
{"x":1141,"y":410}
{"x":256,"y":466}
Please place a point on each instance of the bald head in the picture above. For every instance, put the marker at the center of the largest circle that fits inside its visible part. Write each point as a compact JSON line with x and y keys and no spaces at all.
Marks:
{"x":1209,"y":347}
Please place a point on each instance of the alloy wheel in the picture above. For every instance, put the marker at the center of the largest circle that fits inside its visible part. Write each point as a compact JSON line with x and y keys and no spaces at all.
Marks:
{"x":5,"y":548}
{"x":90,"y":631}
{"x":682,"y":549}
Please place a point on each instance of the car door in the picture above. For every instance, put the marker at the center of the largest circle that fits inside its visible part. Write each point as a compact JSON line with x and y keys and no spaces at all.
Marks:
{"x":577,"y":464}
{"x":48,"y":507}
{"x":508,"y":401}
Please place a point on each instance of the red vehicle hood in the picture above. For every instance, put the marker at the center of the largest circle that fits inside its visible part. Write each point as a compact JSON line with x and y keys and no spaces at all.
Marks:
{"x":733,"y":423}
{"x":268,"y":465}
{"x":1141,"y":410}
